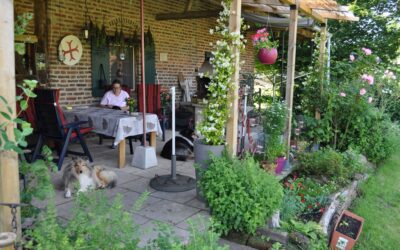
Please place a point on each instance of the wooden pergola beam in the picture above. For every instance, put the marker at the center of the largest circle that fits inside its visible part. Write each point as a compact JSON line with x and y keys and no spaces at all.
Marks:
{"x":303,"y":7}
{"x":291,"y":65}
{"x":187,"y":15}
{"x":331,"y":14}
{"x":232,"y":124}
{"x":263,"y":8}
{"x":9,"y":169}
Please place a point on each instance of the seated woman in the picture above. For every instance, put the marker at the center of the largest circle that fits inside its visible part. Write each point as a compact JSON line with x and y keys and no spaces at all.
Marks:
{"x":115,"y":98}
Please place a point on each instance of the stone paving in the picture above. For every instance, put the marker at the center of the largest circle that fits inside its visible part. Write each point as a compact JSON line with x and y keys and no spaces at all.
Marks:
{"x":172,"y":208}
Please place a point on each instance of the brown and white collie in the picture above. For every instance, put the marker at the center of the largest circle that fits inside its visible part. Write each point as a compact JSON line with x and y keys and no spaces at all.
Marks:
{"x":88,"y":176}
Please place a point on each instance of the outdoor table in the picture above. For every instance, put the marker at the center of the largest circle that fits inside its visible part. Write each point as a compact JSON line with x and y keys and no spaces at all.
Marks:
{"x":116,"y":123}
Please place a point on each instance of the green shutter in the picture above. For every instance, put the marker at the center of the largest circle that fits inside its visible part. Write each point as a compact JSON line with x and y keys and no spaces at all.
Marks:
{"x":100,"y":56}
{"x":150,"y":58}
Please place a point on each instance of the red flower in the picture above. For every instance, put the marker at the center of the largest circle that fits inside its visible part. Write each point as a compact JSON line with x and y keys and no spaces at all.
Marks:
{"x":317,"y":204}
{"x":299,"y":184}
{"x":294,"y":177}
{"x":322,"y":209}
{"x":309,"y":206}
{"x":303,"y":200}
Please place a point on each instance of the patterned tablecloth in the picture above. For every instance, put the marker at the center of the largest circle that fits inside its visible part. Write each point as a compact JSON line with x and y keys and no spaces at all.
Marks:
{"x":115,"y":123}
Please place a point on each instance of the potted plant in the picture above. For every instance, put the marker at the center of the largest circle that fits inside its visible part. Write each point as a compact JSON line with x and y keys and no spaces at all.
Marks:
{"x":216,"y":111}
{"x":347,"y":230}
{"x":131,"y":104}
{"x":274,"y":118}
{"x":267,"y":52}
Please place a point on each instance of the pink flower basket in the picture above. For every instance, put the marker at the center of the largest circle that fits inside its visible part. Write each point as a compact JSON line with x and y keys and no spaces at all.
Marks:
{"x":267,"y":56}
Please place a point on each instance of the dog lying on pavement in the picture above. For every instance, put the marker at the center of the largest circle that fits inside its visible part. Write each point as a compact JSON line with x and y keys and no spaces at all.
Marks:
{"x":88,"y":176}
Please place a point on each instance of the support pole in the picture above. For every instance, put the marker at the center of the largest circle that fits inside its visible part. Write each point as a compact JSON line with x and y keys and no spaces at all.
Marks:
{"x":322,"y":59}
{"x":143,"y":70}
{"x":291,"y":64}
{"x":9,"y":178}
{"x":232,"y":125}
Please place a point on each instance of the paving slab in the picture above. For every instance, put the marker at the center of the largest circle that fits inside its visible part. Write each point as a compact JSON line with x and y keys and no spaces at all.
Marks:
{"x":168,"y":211}
{"x":199,"y":220}
{"x":129,"y":198}
{"x":139,"y":185}
{"x":149,"y":232}
{"x":178,"y":197}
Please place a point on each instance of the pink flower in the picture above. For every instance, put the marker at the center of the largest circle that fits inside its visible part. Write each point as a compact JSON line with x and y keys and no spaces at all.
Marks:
{"x":362,"y":91}
{"x":352,"y":58}
{"x":342,"y":94}
{"x":263,"y":30}
{"x":370,"y":99}
{"x":367,"y":51}
{"x":368,"y":78}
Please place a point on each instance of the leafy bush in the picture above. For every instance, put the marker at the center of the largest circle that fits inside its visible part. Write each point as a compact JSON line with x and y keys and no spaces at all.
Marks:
{"x":202,"y":236}
{"x":312,"y":230}
{"x":240,"y":194}
{"x":327,"y":163}
{"x":274,"y":118}
{"x":94,"y":217}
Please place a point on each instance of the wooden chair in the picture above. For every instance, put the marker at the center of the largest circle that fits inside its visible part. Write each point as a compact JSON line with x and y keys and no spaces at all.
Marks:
{"x":52,"y":125}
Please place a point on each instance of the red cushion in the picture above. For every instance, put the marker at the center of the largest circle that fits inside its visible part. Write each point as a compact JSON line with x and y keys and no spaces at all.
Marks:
{"x":83,"y":130}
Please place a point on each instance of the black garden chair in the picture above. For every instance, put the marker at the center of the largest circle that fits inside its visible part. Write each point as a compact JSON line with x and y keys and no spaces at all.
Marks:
{"x":52,"y":125}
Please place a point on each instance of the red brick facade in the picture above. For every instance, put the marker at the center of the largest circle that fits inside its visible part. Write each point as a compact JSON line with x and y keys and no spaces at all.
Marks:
{"x":185,"y":41}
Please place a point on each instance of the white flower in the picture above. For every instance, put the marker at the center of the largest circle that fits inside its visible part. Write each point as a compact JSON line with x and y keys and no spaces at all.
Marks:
{"x":211,"y":31}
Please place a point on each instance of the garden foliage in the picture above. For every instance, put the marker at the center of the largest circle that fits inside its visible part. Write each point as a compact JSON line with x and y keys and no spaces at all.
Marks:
{"x":240,"y":194}
{"x":216,"y":112}
{"x":353,"y":106}
{"x":329,"y":165}
{"x":274,"y":119}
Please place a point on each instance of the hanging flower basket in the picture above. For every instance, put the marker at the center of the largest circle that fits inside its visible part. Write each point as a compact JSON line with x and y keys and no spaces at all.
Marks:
{"x":268,"y":56}
{"x":267,"y":52}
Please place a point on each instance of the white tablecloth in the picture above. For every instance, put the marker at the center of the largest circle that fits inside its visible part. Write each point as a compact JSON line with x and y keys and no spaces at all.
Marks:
{"x":115,"y":123}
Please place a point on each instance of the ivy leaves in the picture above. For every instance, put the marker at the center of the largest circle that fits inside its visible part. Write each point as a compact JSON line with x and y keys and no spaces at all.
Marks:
{"x":22,"y":128}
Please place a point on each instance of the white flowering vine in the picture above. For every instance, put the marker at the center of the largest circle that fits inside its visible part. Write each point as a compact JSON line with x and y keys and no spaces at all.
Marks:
{"x":216,"y":112}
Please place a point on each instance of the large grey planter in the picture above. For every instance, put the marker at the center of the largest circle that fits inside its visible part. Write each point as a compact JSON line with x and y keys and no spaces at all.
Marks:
{"x":202,"y":154}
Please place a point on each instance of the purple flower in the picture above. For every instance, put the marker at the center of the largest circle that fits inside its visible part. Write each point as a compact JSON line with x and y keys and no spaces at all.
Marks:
{"x":363,"y":91}
{"x":342,"y":94}
{"x":367,"y":51}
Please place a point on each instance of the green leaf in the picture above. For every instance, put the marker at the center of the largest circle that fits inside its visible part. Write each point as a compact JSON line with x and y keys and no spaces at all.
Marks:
{"x":29,"y":93}
{"x":3,"y":99}
{"x":23,"y":104}
{"x":5,"y":115}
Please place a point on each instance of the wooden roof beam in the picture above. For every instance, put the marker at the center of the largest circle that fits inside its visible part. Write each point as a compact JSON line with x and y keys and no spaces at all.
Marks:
{"x":303,"y":7}
{"x":336,"y":15}
{"x":263,"y":8}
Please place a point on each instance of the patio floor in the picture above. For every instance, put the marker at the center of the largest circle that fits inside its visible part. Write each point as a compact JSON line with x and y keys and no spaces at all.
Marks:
{"x":172,"y":208}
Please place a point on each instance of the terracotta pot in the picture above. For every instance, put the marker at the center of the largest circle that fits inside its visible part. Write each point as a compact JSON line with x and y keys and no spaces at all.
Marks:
{"x":267,"y":56}
{"x":346,"y":241}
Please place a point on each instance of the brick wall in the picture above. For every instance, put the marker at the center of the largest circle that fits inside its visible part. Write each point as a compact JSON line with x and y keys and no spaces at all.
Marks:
{"x":185,"y":41}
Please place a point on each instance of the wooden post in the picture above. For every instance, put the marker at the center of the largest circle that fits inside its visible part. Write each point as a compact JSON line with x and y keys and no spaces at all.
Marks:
{"x":322,"y":59}
{"x":9,"y":178}
{"x":232,"y":125}
{"x":41,"y":31}
{"x":290,"y":73}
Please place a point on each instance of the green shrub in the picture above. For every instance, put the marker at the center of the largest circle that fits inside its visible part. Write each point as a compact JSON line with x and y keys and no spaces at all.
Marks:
{"x":330,"y":164}
{"x":202,"y":237}
{"x":240,"y":194}
{"x":94,"y":217}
